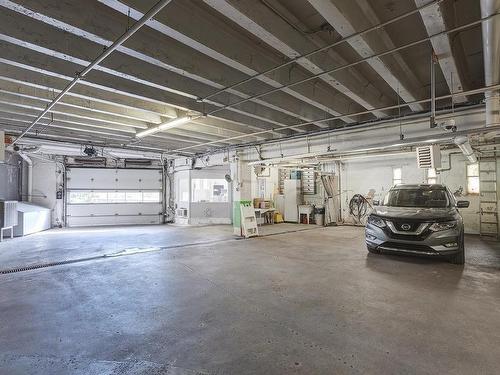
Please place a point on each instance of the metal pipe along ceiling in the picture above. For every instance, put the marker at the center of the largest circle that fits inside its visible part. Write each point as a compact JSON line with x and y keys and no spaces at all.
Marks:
{"x":449,"y":96}
{"x":122,"y":39}
{"x":327,"y":47}
{"x":489,"y":17}
{"x":491,"y":51}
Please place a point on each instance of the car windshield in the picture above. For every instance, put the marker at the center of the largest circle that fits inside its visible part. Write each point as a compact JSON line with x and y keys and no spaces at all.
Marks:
{"x":431,"y":198}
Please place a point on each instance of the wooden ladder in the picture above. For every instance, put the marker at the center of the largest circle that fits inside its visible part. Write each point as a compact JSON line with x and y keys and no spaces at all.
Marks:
{"x":488,"y":198}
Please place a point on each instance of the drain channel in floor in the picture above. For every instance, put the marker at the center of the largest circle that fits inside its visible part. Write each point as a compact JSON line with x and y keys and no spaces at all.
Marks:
{"x":128,"y":252}
{"x":49,"y":264}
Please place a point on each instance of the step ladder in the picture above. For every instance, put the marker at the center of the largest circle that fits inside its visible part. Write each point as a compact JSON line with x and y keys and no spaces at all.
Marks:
{"x":488,"y":198}
{"x":248,"y":221}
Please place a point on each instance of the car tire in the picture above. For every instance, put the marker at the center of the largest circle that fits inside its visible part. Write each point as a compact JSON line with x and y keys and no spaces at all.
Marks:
{"x":459,"y":258}
{"x":372,"y":250}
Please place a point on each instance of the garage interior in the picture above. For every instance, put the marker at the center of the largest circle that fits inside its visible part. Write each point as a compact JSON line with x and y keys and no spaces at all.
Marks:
{"x":185,"y":185}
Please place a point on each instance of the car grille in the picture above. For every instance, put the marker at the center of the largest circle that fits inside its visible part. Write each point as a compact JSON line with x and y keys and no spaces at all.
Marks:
{"x":408,"y":234}
{"x":398,"y":224}
{"x":405,"y":246}
{"x":408,"y":237}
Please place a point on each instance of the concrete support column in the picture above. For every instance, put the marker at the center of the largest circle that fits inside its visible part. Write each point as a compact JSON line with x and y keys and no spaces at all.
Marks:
{"x":242,"y":189}
{"x":491,"y":51}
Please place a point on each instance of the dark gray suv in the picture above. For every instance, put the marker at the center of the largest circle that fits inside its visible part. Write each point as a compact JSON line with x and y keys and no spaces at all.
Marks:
{"x":418,"y":220}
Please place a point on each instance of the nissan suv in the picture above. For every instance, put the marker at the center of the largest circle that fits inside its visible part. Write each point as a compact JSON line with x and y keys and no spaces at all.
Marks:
{"x":418,"y":220}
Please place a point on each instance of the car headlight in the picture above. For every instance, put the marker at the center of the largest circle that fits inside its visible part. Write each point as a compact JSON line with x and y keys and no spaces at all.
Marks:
{"x":437,"y":227}
{"x":375,"y":220}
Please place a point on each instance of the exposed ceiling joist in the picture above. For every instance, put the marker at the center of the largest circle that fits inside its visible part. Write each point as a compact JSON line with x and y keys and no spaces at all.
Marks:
{"x":18,"y":121}
{"x":23,"y":90}
{"x":232,"y":13}
{"x":434,"y":23}
{"x":344,"y":27}
{"x":84,"y":114}
{"x":170,"y":32}
{"x":112,"y":103}
{"x":195,"y":130}
{"x":137,"y":55}
{"x":312,"y":77}
{"x":138,"y":93}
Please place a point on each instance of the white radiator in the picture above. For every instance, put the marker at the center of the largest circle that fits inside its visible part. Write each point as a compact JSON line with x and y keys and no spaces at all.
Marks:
{"x":8,"y":214}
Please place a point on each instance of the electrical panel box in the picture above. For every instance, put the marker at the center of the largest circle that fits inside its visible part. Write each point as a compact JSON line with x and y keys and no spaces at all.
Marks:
{"x":429,"y":157}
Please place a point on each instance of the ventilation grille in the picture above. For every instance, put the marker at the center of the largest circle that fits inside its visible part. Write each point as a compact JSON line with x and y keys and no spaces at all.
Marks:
{"x":89,"y":161}
{"x":181,"y":212}
{"x":429,"y":157}
{"x":139,"y":162}
{"x":8,"y":214}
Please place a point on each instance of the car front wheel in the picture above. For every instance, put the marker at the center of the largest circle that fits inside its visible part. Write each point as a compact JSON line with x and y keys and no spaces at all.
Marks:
{"x":459,"y":258}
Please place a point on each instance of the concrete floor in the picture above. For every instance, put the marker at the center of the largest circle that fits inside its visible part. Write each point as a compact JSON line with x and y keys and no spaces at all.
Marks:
{"x":176,"y":300}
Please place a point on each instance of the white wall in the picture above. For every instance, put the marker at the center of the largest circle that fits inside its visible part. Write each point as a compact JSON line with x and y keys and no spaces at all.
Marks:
{"x":182,"y":192}
{"x":202,"y":212}
{"x":48,"y":177}
{"x":265,"y":187}
{"x":362,"y":175}
{"x":271,"y":185}
{"x":10,"y":175}
{"x":211,"y":212}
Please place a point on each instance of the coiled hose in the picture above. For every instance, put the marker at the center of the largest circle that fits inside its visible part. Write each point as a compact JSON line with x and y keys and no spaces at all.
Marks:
{"x":358,"y":207}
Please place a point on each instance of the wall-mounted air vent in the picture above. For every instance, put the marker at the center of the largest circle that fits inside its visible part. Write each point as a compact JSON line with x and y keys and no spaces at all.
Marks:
{"x":88,"y":161}
{"x":429,"y":157}
{"x":138,"y":162}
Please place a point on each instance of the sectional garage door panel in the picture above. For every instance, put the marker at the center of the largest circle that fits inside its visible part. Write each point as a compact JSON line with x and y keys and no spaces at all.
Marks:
{"x":101,"y":178}
{"x":122,"y":209}
{"x":100,"y":196}
{"x":75,"y":221}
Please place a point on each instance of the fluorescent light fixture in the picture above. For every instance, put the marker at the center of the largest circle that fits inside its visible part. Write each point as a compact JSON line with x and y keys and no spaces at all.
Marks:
{"x":164,"y":126}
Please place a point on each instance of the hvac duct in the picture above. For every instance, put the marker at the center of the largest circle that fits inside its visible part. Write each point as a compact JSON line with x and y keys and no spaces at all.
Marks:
{"x":464,"y":146}
{"x":29,"y":162}
{"x":491,"y":52}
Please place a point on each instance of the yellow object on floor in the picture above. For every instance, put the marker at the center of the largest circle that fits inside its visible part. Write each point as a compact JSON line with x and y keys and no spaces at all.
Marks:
{"x":278,"y":218}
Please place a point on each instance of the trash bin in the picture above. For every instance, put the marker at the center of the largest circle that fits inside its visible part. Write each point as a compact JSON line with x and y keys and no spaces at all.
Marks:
{"x":319,"y":219}
{"x":319,"y":215}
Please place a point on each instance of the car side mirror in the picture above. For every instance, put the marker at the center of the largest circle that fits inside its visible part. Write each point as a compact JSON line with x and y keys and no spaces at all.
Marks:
{"x":463,"y":204}
{"x":376,"y":203}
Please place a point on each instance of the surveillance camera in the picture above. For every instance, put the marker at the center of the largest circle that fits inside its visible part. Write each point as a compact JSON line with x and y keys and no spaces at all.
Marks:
{"x":449,"y":125}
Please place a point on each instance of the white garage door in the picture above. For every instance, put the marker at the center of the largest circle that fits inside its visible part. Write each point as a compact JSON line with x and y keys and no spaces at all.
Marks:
{"x":103,"y":196}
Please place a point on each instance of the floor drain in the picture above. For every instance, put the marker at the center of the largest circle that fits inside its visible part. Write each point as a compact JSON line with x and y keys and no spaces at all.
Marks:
{"x":50,"y":264}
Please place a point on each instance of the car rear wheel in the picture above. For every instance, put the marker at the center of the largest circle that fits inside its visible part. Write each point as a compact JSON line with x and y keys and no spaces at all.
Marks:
{"x":459,"y":258}
{"x":372,"y":250}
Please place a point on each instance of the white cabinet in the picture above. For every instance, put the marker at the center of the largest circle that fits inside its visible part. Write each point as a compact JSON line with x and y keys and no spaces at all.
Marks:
{"x":293,"y":197}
